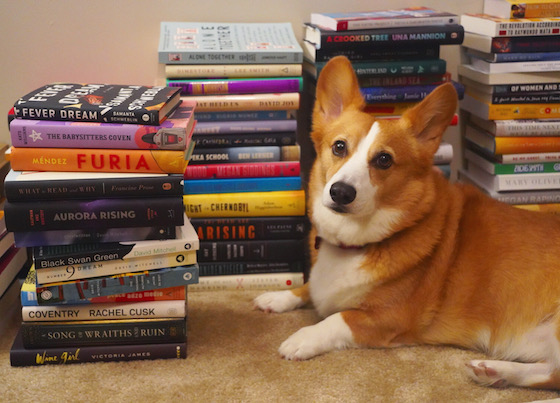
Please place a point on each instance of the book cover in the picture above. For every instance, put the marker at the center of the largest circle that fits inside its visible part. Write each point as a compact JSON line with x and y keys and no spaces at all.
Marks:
{"x":28,"y":294}
{"x":224,"y":116}
{"x":83,"y":269}
{"x":246,"y":102}
{"x":265,"y":282}
{"x":489,"y":111}
{"x":87,"y":235}
{"x":178,"y":71}
{"x":384,"y":37}
{"x":79,"y":290}
{"x":97,"y":160}
{"x":404,"y":17}
{"x":251,"y":126}
{"x":221,"y":155}
{"x":251,"y":228}
{"x":251,"y":204}
{"x":490,"y":25}
{"x":512,"y":44}
{"x":94,"y":213}
{"x":101,"y":332}
{"x":228,"y":43}
{"x":52,"y":185}
{"x":172,"y":134}
{"x":13,"y":260}
{"x":22,"y":357}
{"x":389,"y":68}
{"x":243,"y":170}
{"x":107,"y":103}
{"x":496,"y":168}
{"x":65,"y":255}
{"x":519,"y":127}
{"x":233,"y":268}
{"x":409,"y":93}
{"x":241,"y":185}
{"x":524,"y":9}
{"x":251,"y":250}
{"x":237,"y":85}
{"x":105,"y":311}
{"x":245,"y":139}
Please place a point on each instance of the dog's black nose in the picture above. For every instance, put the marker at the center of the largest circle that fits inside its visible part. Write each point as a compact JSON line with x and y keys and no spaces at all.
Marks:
{"x":342,"y":193}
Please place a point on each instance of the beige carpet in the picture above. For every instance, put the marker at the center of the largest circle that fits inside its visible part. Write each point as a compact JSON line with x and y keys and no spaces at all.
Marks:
{"x":232,"y":357}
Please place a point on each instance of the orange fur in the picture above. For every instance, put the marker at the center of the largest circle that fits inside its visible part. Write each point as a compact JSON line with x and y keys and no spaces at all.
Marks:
{"x":458,"y":267}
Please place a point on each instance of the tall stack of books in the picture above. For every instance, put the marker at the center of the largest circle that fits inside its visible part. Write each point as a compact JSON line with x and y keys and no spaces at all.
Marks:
{"x":12,"y":258}
{"x":95,"y":192}
{"x":395,"y":54}
{"x":511,"y":73}
{"x":243,"y":190}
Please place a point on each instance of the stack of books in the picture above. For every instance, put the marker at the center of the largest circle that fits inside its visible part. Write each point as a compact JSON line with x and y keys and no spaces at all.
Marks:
{"x":510,"y":69}
{"x":243,"y":189}
{"x":395,"y":54}
{"x":95,"y":192}
{"x":12,"y":259}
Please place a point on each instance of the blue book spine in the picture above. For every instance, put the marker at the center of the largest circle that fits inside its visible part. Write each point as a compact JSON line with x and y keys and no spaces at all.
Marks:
{"x":203,"y":186}
{"x":251,"y":126}
{"x":244,"y":115}
{"x":409,"y":93}
{"x":526,"y":57}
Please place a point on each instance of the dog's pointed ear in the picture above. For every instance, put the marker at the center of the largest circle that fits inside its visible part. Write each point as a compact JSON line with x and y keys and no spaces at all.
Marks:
{"x":337,"y":89}
{"x":430,"y":118}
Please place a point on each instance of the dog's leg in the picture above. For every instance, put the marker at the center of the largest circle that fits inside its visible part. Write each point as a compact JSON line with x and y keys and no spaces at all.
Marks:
{"x":282,"y":301}
{"x":503,"y":373}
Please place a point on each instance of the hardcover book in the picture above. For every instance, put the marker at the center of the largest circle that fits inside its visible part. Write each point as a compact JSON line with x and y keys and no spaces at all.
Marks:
{"x":53,"y":185}
{"x":523,"y":9}
{"x":245,"y":139}
{"x":490,"y":111}
{"x":367,"y":69}
{"x":98,"y":103}
{"x":243,"y":170}
{"x":97,"y":160}
{"x":410,"y":93}
{"x":481,"y":77}
{"x":177,"y":71}
{"x":246,"y":102}
{"x":265,"y":282}
{"x":521,"y":127}
{"x":236,"y":268}
{"x":172,"y":134}
{"x":490,"y":25}
{"x":228,"y":43}
{"x":512,"y":44}
{"x":496,"y":168}
{"x":251,"y":250}
{"x":404,"y":17}
{"x":220,"y":155}
{"x":95,"y":213}
{"x":514,"y":67}
{"x":251,"y":126}
{"x":235,"y":185}
{"x":237,"y":85}
{"x":514,"y":182}
{"x":228,"y":116}
{"x":21,"y":356}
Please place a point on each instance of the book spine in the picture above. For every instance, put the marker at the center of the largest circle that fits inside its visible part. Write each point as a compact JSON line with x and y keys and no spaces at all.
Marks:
{"x":58,"y":134}
{"x":97,"y":160}
{"x":67,"y":189}
{"x":356,"y":24}
{"x":544,"y":167}
{"x":245,"y":115}
{"x":223,"y":155}
{"x":535,"y":98}
{"x":84,"y":270}
{"x":178,"y":71}
{"x":386,"y":37}
{"x":511,"y":111}
{"x":97,"y":333}
{"x":87,"y":235}
{"x":245,"y":139}
{"x":13,"y":261}
{"x":523,"y":57}
{"x":22,"y":357}
{"x":253,"y":126}
{"x":79,"y":290}
{"x":238,"y":86}
{"x":397,"y":68}
{"x":521,"y":44}
{"x":97,"y":213}
{"x":230,"y":268}
{"x":515,"y":67}
{"x":135,"y":310}
{"x":444,"y":154}
{"x":527,"y":128}
{"x":429,"y":79}
{"x":246,"y":102}
{"x":243,"y":170}
{"x":205,"y":57}
{"x":251,"y":228}
{"x":410,"y":93}
{"x":204,"y":186}
{"x":253,"y":250}
{"x":527,"y":182}
{"x":266,"y":281}
{"x":356,"y":55}
{"x":252,"y":204}
{"x":518,"y":145}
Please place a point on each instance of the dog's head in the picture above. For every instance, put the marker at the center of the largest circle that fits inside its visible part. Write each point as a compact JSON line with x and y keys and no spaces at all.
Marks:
{"x":371,"y":178}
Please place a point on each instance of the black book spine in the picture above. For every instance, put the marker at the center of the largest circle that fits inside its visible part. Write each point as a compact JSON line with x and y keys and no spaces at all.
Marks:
{"x":245,"y":140}
{"x":251,"y":250}
{"x":231,"y":268}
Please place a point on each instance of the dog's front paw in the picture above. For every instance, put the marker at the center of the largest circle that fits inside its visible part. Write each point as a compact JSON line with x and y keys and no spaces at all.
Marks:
{"x":330,"y":334}
{"x":278,"y":301}
{"x":487,"y":373}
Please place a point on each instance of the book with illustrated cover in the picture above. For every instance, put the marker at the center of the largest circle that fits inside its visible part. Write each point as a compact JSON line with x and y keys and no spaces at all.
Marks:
{"x":404,"y":17}
{"x":172,"y":134}
{"x":228,"y":43}
{"x":98,"y":103}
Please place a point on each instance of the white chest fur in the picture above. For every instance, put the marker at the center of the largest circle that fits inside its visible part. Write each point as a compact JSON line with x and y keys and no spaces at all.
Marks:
{"x":337,"y":282}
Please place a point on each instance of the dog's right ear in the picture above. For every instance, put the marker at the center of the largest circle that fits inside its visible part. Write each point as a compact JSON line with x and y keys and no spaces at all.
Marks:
{"x":337,"y":89}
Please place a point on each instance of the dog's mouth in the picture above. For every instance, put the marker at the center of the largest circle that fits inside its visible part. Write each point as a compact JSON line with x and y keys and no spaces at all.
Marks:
{"x":339,"y":209}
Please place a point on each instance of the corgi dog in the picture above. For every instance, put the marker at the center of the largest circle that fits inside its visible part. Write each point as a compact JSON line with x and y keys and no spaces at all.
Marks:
{"x":407,"y":258}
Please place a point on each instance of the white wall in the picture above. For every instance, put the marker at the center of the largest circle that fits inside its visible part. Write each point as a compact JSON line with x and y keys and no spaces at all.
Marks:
{"x":115,"y":41}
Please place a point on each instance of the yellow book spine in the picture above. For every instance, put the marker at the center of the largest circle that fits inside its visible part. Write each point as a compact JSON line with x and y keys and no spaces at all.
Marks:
{"x":250,"y":204}
{"x":523,"y":111}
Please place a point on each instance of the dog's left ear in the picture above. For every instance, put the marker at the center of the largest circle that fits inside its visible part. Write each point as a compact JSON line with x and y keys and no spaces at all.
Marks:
{"x":430,"y":118}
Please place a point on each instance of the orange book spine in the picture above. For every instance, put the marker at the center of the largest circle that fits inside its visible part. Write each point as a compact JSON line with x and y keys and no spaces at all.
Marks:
{"x":96,"y":160}
{"x":518,"y":145}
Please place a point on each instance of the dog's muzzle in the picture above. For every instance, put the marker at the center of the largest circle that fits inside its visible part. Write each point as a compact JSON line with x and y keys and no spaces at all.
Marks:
{"x":342,"y":194}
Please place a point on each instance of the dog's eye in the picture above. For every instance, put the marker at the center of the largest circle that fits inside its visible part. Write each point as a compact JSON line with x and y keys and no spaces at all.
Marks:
{"x":383,"y":160}
{"x":339,"y":148}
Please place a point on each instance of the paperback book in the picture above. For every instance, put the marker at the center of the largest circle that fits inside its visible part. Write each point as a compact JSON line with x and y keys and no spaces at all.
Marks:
{"x":243,"y":170}
{"x":221,"y":155}
{"x":525,"y":9}
{"x":519,"y":127}
{"x":245,"y":139}
{"x":265,"y":282}
{"x":251,"y":126}
{"x":241,"y":185}
{"x":251,"y":250}
{"x":237,"y":85}
{"x":182,"y":71}
{"x":236,"y":268}
{"x":490,"y":25}
{"x":511,"y":44}
{"x":246,"y":102}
